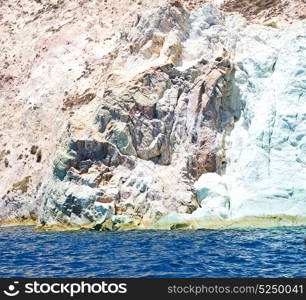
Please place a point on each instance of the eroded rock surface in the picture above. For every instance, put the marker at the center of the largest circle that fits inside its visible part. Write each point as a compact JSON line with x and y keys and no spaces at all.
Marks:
{"x":274,"y":13}
{"x":152,"y":133}
{"x":170,"y":114}
{"x":53,"y":56}
{"x":264,"y":151}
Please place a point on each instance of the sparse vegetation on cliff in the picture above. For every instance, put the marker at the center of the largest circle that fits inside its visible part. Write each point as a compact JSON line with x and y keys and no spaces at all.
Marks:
{"x":22,"y":185}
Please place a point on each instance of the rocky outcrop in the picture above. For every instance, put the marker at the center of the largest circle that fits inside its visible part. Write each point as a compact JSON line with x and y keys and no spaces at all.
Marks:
{"x":53,"y":56}
{"x":264,"y":150}
{"x":267,"y":146}
{"x":151,"y":134}
{"x":274,"y":13}
{"x":172,"y":116}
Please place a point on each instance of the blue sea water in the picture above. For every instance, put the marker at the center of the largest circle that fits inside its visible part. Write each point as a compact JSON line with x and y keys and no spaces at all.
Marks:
{"x":277,"y":252}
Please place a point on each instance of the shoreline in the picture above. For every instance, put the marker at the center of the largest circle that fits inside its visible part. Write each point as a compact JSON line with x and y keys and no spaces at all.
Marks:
{"x":17,"y":222}
{"x":252,"y":222}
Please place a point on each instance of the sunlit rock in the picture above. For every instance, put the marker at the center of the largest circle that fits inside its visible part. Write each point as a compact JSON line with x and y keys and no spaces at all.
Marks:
{"x":178,"y":115}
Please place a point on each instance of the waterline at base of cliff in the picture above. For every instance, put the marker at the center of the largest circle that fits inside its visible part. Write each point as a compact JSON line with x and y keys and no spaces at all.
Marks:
{"x":171,"y":222}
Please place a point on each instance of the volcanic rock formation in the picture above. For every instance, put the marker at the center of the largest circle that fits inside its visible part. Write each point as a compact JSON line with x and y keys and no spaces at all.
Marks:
{"x":177,"y":115}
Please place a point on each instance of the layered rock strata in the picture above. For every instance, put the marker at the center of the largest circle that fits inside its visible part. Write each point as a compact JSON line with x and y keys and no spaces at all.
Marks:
{"x":182,"y":119}
{"x":134,"y":153}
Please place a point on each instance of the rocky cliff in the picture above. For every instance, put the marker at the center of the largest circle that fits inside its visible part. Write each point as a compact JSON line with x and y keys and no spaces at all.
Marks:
{"x":173,"y":115}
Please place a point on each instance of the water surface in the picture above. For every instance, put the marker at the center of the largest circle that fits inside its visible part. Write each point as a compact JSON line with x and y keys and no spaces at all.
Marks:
{"x":277,"y":252}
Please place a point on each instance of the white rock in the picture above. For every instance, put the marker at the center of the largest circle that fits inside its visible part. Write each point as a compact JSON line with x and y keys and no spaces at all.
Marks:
{"x":266,"y":148}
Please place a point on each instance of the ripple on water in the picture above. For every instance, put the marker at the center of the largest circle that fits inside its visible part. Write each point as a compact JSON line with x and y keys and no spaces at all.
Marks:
{"x":277,"y":252}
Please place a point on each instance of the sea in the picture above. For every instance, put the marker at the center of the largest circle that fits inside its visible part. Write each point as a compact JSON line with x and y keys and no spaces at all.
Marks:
{"x":276,"y":252}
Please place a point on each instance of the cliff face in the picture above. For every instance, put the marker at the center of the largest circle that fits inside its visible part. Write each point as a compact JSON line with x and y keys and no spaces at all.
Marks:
{"x":136,"y":151}
{"x":263,"y":181}
{"x":270,"y":12}
{"x":166,"y":117}
{"x":266,"y":149}
{"x":54,"y":55}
